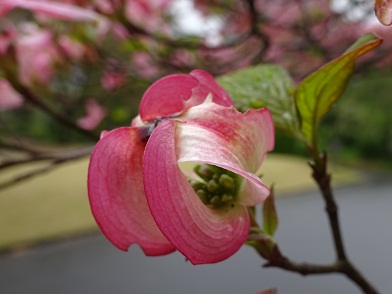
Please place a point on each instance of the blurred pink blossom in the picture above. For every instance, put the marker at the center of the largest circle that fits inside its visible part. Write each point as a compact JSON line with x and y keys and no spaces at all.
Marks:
{"x":51,"y":8}
{"x":119,"y":31}
{"x":6,"y":37}
{"x":148,"y":13}
{"x":71,"y":48}
{"x":59,"y":10}
{"x":9,"y":98}
{"x":94,"y":115}
{"x":112,"y":80}
{"x":144,"y":65}
{"x":107,"y":6}
{"x":35,"y":64}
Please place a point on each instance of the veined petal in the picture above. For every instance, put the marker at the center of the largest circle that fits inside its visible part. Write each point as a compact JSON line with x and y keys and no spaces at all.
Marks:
{"x":199,"y":144}
{"x":166,"y":96}
{"x":116,"y":193}
{"x":249,"y":136}
{"x":175,"y":93}
{"x":202,"y":234}
{"x":208,"y":85}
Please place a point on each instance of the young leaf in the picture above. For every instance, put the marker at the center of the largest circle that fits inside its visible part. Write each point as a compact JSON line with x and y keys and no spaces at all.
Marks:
{"x":264,"y":86}
{"x":320,"y":90}
{"x":270,"y":217}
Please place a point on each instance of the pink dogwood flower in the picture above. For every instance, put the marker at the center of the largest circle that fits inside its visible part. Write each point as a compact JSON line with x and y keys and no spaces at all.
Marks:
{"x":139,"y":193}
{"x":95,"y":113}
{"x":112,"y":79}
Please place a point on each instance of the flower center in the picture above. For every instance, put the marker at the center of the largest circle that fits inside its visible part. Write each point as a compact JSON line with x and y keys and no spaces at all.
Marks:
{"x":217,"y":188}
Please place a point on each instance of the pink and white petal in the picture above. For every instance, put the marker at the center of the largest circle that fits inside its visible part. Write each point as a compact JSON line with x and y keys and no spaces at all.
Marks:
{"x":116,"y":193}
{"x":201,"y":234}
{"x":137,"y":122}
{"x":165,"y":97}
{"x":171,"y":95}
{"x":208,"y":85}
{"x":199,"y":144}
{"x":249,"y":136}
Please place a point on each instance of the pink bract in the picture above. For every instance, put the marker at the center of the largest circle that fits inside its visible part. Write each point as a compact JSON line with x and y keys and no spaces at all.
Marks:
{"x":202,"y":234}
{"x":139,"y":194}
{"x":169,"y":95}
{"x":116,"y":193}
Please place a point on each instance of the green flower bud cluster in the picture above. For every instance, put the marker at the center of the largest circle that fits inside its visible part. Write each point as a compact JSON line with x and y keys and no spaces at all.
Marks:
{"x":217,"y":188}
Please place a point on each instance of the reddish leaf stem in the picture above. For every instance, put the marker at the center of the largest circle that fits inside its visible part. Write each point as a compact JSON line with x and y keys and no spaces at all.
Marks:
{"x":262,"y":244}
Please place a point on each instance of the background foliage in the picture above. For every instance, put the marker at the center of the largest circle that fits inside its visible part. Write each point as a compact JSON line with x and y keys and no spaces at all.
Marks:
{"x":116,"y":67}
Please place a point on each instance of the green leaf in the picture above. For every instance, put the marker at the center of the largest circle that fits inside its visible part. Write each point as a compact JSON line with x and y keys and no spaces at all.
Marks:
{"x":270,"y":216}
{"x":264,"y":86}
{"x":317,"y":93}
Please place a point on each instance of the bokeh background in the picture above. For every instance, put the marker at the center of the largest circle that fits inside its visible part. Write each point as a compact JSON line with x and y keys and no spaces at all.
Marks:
{"x":66,"y":76}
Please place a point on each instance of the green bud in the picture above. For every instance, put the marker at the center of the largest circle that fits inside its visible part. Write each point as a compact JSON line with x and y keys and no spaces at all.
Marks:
{"x":215,"y":201}
{"x":196,"y":185}
{"x":218,"y":187}
{"x":203,"y":196}
{"x":226,"y":198}
{"x":227,"y":182}
{"x":212,"y":186}
{"x":204,"y":171}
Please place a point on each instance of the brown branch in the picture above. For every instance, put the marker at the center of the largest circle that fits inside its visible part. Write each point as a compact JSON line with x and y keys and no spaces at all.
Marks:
{"x":54,"y":158}
{"x":323,"y":180}
{"x":19,"y":147}
{"x":267,"y":246}
{"x":344,"y":267}
{"x":30,"y":97}
{"x":255,"y":31}
{"x":305,"y":268}
{"x":26,"y":176}
{"x":268,"y":249}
